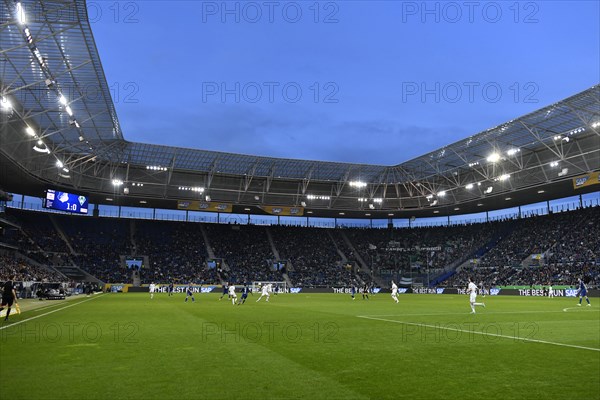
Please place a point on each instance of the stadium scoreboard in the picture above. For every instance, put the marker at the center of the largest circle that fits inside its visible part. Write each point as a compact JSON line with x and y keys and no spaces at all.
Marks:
{"x":64,"y":201}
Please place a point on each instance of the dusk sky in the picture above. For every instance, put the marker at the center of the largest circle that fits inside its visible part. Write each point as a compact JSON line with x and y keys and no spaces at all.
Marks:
{"x":376,"y":82}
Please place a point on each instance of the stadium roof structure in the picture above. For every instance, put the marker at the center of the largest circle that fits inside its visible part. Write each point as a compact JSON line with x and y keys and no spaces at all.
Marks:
{"x":59,"y":129}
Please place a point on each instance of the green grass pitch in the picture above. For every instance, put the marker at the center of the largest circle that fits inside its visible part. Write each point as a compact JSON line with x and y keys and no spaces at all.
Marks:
{"x":302,"y":346}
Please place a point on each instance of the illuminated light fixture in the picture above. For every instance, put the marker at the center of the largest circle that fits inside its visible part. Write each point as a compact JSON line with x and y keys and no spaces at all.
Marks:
{"x":246,"y":209}
{"x":479,"y":204}
{"x":429,"y":197}
{"x":541,"y":191}
{"x":441,"y":193}
{"x":65,"y":176}
{"x":478,"y":183}
{"x":508,"y":198}
{"x":557,"y":137}
{"x":39,"y":57}
{"x":65,"y":169}
{"x":5,"y":104}
{"x":378,"y":200}
{"x":143,"y":202}
{"x":504,"y":177}
{"x":436,"y":211}
{"x":207,"y":198}
{"x":20,"y":11}
{"x":489,"y":190}
{"x":28,"y":35}
{"x":342,"y":213}
{"x":367,"y":214}
{"x":76,"y":124}
{"x":156,"y":168}
{"x":433,"y":203}
{"x":456,"y":208}
{"x":309,"y":212}
{"x":554,"y":164}
{"x":512,"y":152}
{"x":358,"y":184}
{"x":469,"y":186}
{"x":109,"y":199}
{"x":362,"y":200}
{"x":390,"y":215}
{"x":69,"y":111}
{"x":41,"y":147}
{"x":117,"y":182}
{"x":192,"y":189}
{"x":30,"y":131}
{"x":62,"y":100}
{"x":315,"y":197}
{"x":566,"y":139}
{"x":596,"y":124}
{"x":371,"y":206}
{"x":563,"y":172}
{"x":494,"y":157}
{"x":303,"y":203}
{"x":473,"y":164}
{"x":59,"y":164}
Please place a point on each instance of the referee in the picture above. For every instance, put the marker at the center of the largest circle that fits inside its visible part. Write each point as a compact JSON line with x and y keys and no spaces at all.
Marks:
{"x":9,"y":296}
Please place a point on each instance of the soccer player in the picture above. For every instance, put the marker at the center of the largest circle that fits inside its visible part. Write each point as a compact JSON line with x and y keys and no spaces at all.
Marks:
{"x":265,"y":292}
{"x":353,"y":292}
{"x":9,"y":296}
{"x":152,"y":289}
{"x":189,"y":293}
{"x":245,"y":291}
{"x":365,"y":293}
{"x":171,"y":289}
{"x":472,"y":290}
{"x":232,"y":294}
{"x":550,"y":291}
{"x":224,"y":291}
{"x":395,"y":292}
{"x":582,"y":293}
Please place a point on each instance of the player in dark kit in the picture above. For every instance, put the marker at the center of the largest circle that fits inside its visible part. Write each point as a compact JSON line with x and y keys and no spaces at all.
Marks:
{"x":170,"y":289}
{"x":245,"y":291}
{"x":189,"y":293}
{"x":365,"y":293}
{"x":582,"y":292}
{"x":225,"y":291}
{"x":9,"y":297}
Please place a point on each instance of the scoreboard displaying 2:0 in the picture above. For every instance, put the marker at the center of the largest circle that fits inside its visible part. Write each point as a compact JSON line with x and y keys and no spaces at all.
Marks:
{"x":64,"y":201}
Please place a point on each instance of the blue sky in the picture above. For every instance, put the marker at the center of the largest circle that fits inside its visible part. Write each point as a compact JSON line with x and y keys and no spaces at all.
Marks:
{"x":375,"y":82}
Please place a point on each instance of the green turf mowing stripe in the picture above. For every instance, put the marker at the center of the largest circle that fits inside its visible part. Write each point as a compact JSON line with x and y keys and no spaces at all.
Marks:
{"x":47,"y":313}
{"x":479,"y":333}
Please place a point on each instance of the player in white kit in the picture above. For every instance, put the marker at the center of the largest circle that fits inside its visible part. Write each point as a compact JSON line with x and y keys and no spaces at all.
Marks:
{"x":152,"y":289}
{"x":232,"y":294}
{"x":394,"y":292}
{"x":265,"y":292}
{"x":472,"y":290}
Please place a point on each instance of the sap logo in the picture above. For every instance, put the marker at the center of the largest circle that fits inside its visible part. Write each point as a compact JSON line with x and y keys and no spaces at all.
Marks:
{"x":294,"y":211}
{"x":582,"y":180}
{"x":184,"y":204}
{"x":295,"y":290}
{"x":207,"y":289}
{"x":376,"y":290}
{"x":277,"y":210}
{"x":222,"y":207}
{"x":570,"y":292}
{"x":402,"y":290}
{"x":204,"y":206}
{"x":494,"y":292}
{"x":439,"y":290}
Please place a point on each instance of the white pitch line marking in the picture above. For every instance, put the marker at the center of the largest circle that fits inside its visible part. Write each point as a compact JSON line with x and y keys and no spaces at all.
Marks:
{"x":49,"y":312}
{"x":481,"y":333}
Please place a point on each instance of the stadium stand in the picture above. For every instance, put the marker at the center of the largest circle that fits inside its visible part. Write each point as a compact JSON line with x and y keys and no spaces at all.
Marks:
{"x":556,"y":248}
